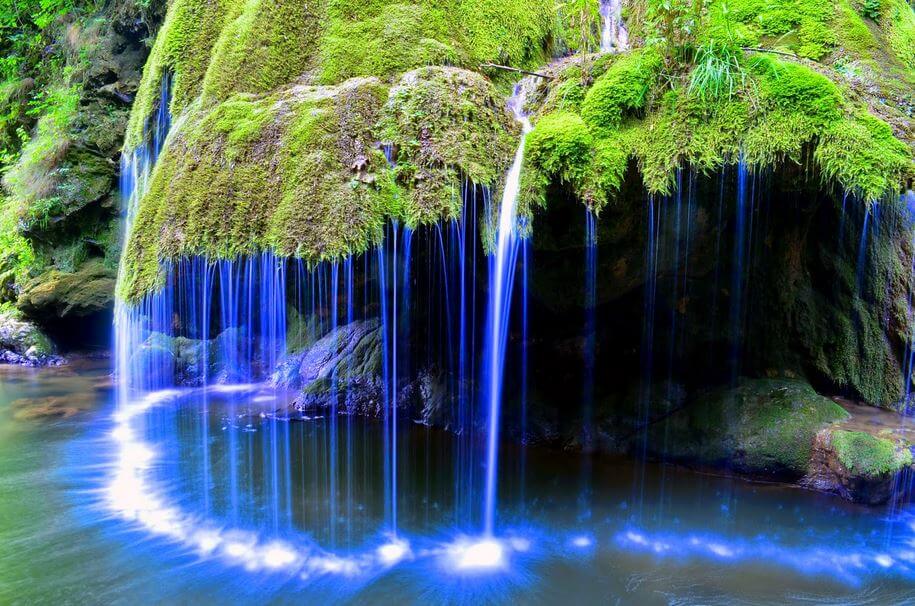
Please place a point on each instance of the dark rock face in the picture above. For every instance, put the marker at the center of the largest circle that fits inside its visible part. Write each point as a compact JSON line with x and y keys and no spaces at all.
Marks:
{"x":343,"y":367}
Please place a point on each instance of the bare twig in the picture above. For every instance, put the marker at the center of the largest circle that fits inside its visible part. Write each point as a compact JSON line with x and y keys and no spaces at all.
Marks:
{"x":750,"y":49}
{"x":516,"y":70}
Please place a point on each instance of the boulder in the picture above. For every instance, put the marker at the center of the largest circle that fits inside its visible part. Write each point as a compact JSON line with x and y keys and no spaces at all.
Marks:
{"x":21,"y":342}
{"x":343,"y":367}
{"x":763,"y":427}
{"x":56,"y":294}
{"x":857,"y":466}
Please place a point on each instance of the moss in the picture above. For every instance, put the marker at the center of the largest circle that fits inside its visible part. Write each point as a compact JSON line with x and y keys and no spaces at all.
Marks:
{"x":386,"y":38}
{"x":865,"y":455}
{"x":900,"y":23}
{"x":33,"y":180}
{"x":183,"y":47}
{"x":324,"y":210}
{"x":762,"y":426}
{"x":796,"y":105}
{"x":65,"y":294}
{"x":779,"y":111}
{"x":445,"y":125}
{"x":267,"y":44}
{"x":383,"y":39}
{"x":299,"y":172}
{"x":622,"y":90}
{"x":261,"y":159}
{"x":802,"y":26}
{"x":559,"y":148}
{"x":863,"y":156}
{"x":220,"y":47}
{"x":21,"y":336}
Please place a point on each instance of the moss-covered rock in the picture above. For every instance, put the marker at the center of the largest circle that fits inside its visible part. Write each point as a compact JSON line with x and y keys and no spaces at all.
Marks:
{"x":301,"y":171}
{"x":218,"y":47}
{"x":772,"y":112}
{"x":857,"y":465}
{"x":58,"y":294}
{"x":63,"y":113}
{"x":763,"y":427}
{"x":446,"y":126}
{"x":22,"y":342}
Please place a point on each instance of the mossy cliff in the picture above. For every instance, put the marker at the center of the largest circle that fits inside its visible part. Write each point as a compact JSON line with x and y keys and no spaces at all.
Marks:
{"x":68,"y":72}
{"x":219,"y":47}
{"x":299,"y":171}
{"x":705,"y":85}
{"x":281,"y":110}
{"x":762,"y":83}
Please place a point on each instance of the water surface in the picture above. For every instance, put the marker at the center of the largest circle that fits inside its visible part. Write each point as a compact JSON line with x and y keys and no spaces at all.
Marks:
{"x":317,"y":489}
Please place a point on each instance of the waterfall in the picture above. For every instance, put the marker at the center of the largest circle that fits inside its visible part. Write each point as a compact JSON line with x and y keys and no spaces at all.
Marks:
{"x":136,"y":168}
{"x":613,"y":35}
{"x":229,"y":335}
{"x":501,"y":279}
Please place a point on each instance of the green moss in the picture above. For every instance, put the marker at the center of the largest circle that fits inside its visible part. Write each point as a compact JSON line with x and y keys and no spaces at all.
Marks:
{"x":802,"y":26}
{"x":900,"y":23}
{"x":865,"y":455}
{"x":220,"y":47}
{"x":334,"y":213}
{"x":567,"y":94}
{"x":762,"y":426}
{"x":445,"y":126}
{"x":299,"y":172}
{"x":773,"y":111}
{"x":16,"y":253}
{"x":183,"y":47}
{"x":268,"y":43}
{"x":386,"y":38}
{"x":64,"y":294}
{"x":380,"y":38}
{"x":858,"y":38}
{"x":262,"y":159}
{"x":863,"y":156}
{"x":559,"y":148}
{"x":32,"y":182}
{"x":622,"y":90}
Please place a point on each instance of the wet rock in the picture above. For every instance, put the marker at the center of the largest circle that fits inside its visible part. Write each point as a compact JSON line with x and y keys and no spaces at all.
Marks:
{"x":57,"y":294}
{"x":22,"y":342}
{"x":352,"y":350}
{"x":343,"y":367}
{"x":857,"y":466}
{"x":168,"y":360}
{"x":763,"y":427}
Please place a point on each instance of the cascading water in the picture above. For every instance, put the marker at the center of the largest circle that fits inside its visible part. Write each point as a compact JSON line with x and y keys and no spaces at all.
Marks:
{"x":613,"y":36}
{"x":235,"y":332}
{"x":501,"y":280}
{"x":298,"y":383}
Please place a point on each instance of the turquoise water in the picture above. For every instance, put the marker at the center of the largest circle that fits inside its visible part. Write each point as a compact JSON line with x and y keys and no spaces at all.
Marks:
{"x":264,"y":483}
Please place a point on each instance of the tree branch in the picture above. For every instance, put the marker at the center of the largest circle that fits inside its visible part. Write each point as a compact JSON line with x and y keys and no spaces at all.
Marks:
{"x":516,"y":70}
